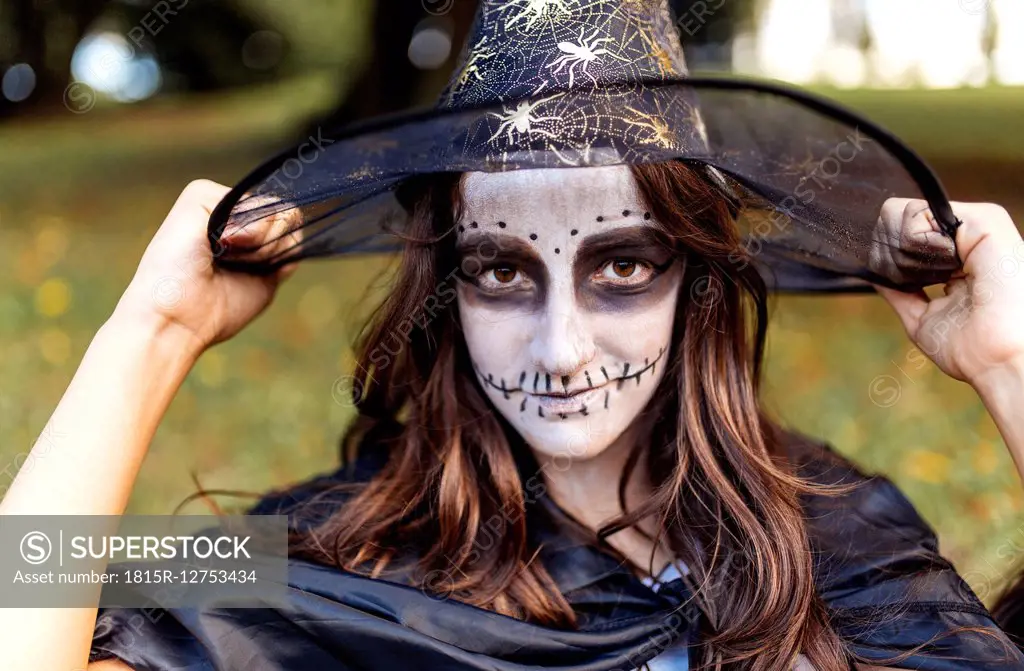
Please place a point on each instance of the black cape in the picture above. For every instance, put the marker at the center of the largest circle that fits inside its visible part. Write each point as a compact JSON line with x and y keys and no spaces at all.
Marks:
{"x":877,"y":565}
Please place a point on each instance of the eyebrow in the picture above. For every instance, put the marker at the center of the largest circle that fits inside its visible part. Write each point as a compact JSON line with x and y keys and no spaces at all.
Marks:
{"x":626,"y":236}
{"x":512,"y":248}
{"x":510,"y":245}
{"x":629,"y":235}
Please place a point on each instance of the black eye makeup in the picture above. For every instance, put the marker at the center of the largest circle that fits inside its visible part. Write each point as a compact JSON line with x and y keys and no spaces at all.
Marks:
{"x":498,"y":264}
{"x":623,"y":262}
{"x":619,"y":263}
{"x":502,"y":277}
{"x":628,"y":273}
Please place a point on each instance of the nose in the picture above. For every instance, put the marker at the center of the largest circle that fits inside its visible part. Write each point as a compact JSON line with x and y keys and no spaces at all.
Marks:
{"x":562,"y":344}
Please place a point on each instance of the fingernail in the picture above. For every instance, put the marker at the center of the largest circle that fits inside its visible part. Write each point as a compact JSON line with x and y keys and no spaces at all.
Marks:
{"x":232,"y":231}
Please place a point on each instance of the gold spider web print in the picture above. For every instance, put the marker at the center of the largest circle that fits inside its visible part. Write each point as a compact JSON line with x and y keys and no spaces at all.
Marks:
{"x":640,"y":7}
{"x":792,"y":167}
{"x":526,"y":47}
{"x":576,"y":129}
{"x":551,"y":64}
{"x":524,"y":16}
{"x":482,"y":51}
{"x":542,"y":130}
{"x":666,"y":119}
{"x":658,"y":128}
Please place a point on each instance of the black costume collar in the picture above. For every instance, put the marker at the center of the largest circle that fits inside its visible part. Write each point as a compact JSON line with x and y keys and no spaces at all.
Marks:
{"x":571,"y":560}
{"x":878,"y":572}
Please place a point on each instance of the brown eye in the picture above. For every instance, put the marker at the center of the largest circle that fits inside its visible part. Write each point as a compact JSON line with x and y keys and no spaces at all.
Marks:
{"x":625,"y":272}
{"x":503,"y":279}
{"x":623,"y":268}
{"x":504,"y":275}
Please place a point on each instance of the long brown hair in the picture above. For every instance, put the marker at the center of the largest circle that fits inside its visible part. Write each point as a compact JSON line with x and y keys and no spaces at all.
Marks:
{"x":726,"y":501}
{"x":1008,"y":611}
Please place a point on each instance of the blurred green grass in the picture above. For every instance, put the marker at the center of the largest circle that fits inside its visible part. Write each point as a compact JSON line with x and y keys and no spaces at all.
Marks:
{"x":945,"y":125}
{"x":81,"y":197}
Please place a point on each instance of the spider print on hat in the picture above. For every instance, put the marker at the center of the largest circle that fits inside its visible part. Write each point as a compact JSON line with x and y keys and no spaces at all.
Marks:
{"x":584,"y":52}
{"x":540,"y":62}
{"x":521,"y":119}
{"x":530,"y":12}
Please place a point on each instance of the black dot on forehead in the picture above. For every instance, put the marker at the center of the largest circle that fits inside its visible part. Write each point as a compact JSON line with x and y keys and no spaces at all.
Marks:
{"x":474,"y":225}
{"x":533,"y":236}
{"x":501,"y":224}
{"x":573,"y":232}
{"x":600,"y":218}
{"x":557,"y":250}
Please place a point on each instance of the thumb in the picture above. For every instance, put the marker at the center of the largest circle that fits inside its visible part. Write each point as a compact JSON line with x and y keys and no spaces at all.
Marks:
{"x":986,"y":237}
{"x":287,"y":270}
{"x":909,"y":306}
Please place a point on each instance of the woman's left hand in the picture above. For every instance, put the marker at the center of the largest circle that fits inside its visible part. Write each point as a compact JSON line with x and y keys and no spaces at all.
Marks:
{"x":977,"y":327}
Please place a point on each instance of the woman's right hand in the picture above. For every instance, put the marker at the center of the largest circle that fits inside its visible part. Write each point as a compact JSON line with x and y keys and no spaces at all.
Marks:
{"x":89,"y":454}
{"x":177,"y":285}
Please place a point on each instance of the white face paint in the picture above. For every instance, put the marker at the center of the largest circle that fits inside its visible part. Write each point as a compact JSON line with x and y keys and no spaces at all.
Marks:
{"x":568,"y":320}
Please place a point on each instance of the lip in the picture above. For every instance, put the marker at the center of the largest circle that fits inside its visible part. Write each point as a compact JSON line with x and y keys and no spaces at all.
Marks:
{"x":564,"y":404}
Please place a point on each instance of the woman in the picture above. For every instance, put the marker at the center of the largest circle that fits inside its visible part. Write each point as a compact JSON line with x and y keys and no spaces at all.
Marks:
{"x":576,"y":348}
{"x":557,"y":416}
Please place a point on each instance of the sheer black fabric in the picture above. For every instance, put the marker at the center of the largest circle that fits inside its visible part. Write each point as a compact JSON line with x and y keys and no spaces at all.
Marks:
{"x":811,"y":181}
{"x":586,"y":83}
{"x":877,"y":567}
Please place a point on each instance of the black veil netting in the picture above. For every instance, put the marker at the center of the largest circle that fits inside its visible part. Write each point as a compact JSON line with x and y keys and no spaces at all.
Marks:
{"x":605,"y":85}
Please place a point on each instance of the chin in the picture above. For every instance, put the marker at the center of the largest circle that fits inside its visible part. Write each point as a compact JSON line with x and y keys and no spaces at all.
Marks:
{"x":568,"y":440}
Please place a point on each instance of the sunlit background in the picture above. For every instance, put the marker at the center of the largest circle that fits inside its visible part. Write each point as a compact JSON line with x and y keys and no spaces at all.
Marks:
{"x":108,"y":108}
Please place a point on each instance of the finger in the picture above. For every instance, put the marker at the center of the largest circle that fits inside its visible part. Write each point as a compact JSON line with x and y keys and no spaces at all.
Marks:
{"x":269,"y":234}
{"x":238,"y":234}
{"x":921,"y":236}
{"x":287,"y":270}
{"x":908,"y":246}
{"x":956,"y":285}
{"x":286,"y":230}
{"x":910,"y":223}
{"x":249,"y":218}
{"x":909,"y":306}
{"x":986,"y":238}
{"x":882,"y":257}
{"x":196,"y":202}
{"x":893,"y":209}
{"x":181,"y":237}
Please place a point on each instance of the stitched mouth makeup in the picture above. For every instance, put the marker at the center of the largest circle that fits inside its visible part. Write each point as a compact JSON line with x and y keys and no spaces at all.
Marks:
{"x":570,"y":398}
{"x":562,"y":405}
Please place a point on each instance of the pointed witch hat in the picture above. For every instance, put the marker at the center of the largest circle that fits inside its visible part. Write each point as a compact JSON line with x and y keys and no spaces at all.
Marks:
{"x":577,"y":83}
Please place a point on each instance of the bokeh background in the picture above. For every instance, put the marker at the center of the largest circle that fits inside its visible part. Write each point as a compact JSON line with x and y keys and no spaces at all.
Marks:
{"x":109,"y":108}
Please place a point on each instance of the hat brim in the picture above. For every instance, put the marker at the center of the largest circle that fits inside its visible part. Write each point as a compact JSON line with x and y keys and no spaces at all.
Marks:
{"x":812,"y":175}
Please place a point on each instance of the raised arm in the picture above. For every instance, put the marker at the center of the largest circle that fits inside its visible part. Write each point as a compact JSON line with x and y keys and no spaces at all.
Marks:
{"x":88,"y":456}
{"x":975,"y":332}
{"x":1002,"y":392}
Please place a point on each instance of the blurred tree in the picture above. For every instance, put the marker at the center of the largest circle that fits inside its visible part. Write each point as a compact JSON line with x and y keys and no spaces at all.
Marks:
{"x":43,"y":34}
{"x":708,"y":27}
{"x":388,"y":81}
{"x":324,"y":34}
{"x":198,"y":44}
{"x":208,"y":45}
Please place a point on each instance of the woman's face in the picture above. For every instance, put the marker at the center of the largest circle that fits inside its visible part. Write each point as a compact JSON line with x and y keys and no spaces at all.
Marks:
{"x":569,"y":304}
